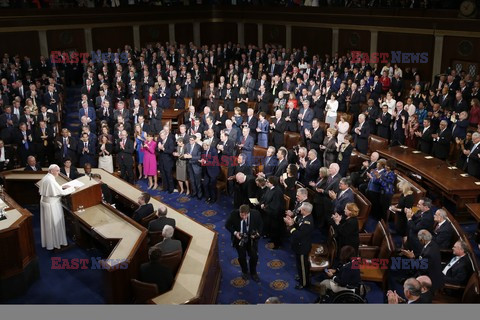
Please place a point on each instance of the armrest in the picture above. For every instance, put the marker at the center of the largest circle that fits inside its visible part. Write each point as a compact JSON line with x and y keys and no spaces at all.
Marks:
{"x":452,"y":286}
{"x":368,"y":252}
{"x":365,"y":238}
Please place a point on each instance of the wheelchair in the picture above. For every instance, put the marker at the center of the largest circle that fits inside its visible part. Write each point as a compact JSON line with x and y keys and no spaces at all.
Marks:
{"x":353,"y":295}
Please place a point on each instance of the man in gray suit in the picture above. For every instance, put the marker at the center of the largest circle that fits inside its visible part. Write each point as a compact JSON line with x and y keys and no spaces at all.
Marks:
{"x":168,"y":244}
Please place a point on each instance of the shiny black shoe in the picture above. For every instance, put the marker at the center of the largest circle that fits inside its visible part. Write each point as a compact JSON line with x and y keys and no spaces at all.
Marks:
{"x":255,"y":277}
{"x":245,"y":276}
{"x":300,"y":287}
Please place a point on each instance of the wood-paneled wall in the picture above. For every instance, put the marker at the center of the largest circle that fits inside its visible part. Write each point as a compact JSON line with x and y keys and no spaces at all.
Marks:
{"x":154,"y":33}
{"x":218,"y":32}
{"x":183,"y":33}
{"x":317,"y":40}
{"x":349,"y":40}
{"x":461,"y":49}
{"x":388,"y":42}
{"x":66,"y":39}
{"x":274,"y":34}
{"x":22,"y":43}
{"x":112,"y":37}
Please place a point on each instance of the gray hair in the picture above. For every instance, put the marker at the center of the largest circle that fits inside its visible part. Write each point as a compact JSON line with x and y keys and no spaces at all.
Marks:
{"x":413,"y":286}
{"x":167,"y":232}
{"x":476,"y":135}
{"x":442,"y":213}
{"x":424,"y":235}
{"x":303,"y":192}
{"x":307,"y":206}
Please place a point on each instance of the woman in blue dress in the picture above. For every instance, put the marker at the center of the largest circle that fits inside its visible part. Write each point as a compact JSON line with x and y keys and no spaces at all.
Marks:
{"x":262,"y":130}
{"x":140,"y":137}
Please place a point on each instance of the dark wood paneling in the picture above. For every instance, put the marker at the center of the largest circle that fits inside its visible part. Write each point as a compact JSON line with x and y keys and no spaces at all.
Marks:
{"x":349,"y":40}
{"x":66,"y":39}
{"x":113,"y":37}
{"x":460,"y":49}
{"x":22,"y":43}
{"x":184,"y":33}
{"x":218,"y":32}
{"x":251,"y":33}
{"x":317,"y":40}
{"x":274,"y":34}
{"x":416,"y":43}
{"x":154,"y":33}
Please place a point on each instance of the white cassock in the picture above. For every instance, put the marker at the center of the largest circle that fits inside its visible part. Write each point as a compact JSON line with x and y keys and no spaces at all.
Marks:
{"x":52,"y":221}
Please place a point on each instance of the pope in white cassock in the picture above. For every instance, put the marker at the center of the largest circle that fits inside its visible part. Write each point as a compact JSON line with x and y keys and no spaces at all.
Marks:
{"x":52,"y":221}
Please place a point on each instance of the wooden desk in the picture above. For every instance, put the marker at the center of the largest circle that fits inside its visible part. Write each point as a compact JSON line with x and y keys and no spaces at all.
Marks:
{"x":461,"y":190}
{"x":198,"y":278}
{"x":174,"y":116}
{"x":18,"y":260}
{"x":474,"y":210}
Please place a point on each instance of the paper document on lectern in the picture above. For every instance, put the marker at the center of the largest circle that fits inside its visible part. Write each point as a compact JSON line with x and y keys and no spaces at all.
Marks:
{"x":74,"y":183}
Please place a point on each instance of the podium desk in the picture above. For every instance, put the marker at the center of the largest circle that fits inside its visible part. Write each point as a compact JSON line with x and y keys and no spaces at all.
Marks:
{"x":198,"y":278}
{"x":18,"y":260}
{"x":453,"y":183}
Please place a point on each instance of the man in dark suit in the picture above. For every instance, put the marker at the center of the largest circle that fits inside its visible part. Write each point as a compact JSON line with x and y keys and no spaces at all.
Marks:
{"x":458,"y":270}
{"x":312,"y":167}
{"x":355,"y":100}
{"x":441,"y":141}
{"x":290,"y":115}
{"x":163,"y":95}
{"x":25,"y":146}
{"x":86,"y":150}
{"x":425,"y":139}
{"x":383,"y":122}
{"x":161,"y":221}
{"x":154,"y":272}
{"x":194,"y":153}
{"x":8,"y":124}
{"x":301,"y":229}
{"x":264,"y":98}
{"x":274,"y":207}
{"x":282,"y":162}
{"x":269,"y":163}
{"x":43,"y":139}
{"x":124,"y":149}
{"x":51,"y":99}
{"x":400,"y":120}
{"x":371,"y":115}
{"x":442,"y":234}
{"x":226,"y":152}
{"x":145,"y":209}
{"x":278,"y":127}
{"x":89,"y":90}
{"x":362,"y":131}
{"x":32,"y":164}
{"x":315,"y":136}
{"x":211,"y":170}
{"x":166,"y":161}
{"x":345,"y":195}
{"x":245,"y":188}
{"x":246,"y":145}
{"x":246,"y":226}
{"x":412,"y":290}
{"x":423,"y":219}
{"x":472,"y":164}
{"x":169,"y":245}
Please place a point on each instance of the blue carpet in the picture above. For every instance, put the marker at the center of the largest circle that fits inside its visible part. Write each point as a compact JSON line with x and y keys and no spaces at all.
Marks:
{"x":62,"y":286}
{"x":276,"y":268}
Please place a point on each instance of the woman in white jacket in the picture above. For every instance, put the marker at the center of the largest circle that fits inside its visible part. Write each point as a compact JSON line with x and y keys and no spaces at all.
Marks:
{"x":331,"y":109}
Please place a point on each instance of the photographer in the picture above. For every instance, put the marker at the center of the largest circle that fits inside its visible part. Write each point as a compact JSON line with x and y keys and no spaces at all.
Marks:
{"x":245,"y":225}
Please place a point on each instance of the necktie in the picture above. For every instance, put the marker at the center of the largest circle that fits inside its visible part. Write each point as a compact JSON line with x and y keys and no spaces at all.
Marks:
{"x":26,"y":140}
{"x":450,"y":264}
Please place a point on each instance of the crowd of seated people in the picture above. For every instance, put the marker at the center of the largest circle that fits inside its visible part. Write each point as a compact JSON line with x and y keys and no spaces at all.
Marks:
{"x":239,"y":101}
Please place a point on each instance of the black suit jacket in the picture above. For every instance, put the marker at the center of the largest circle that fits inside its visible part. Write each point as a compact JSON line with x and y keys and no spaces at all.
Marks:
{"x":38,"y":166}
{"x":346,"y":233}
{"x":460,"y":272}
{"x":274,"y":207}
{"x":425,"y":142}
{"x":74,"y":174}
{"x":126,"y":154}
{"x":434,"y":270}
{"x":233,"y":224}
{"x":142,"y":212}
{"x":443,"y":235}
{"x":153,"y":272}
{"x":281,"y":168}
{"x":441,"y":148}
{"x":159,"y":223}
{"x":317,"y":139}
